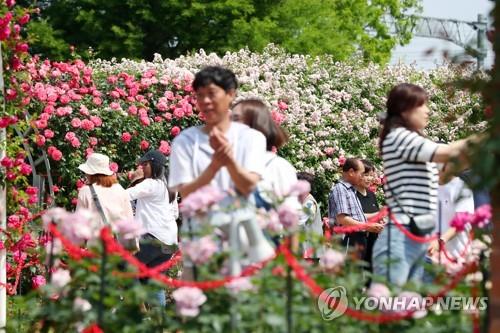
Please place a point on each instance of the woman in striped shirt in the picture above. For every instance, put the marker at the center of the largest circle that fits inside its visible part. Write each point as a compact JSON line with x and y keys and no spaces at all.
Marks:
{"x":412,"y":181}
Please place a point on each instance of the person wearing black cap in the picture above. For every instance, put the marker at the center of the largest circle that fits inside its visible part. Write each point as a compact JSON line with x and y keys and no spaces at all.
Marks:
{"x":156,"y":209}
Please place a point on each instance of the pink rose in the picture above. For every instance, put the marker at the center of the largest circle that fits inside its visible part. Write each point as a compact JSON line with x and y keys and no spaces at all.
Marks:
{"x":129,"y":229}
{"x":84,"y":111}
{"x":175,"y":131}
{"x":75,"y":142}
{"x":31,"y":190}
{"x":282,"y":105}
{"x":164,"y":147}
{"x":200,"y":200}
{"x":7,"y":162}
{"x":240,"y":284}
{"x":25,"y":169}
{"x":179,"y":113}
{"x":24,"y":19}
{"x":144,"y":145}
{"x":93,"y":141}
{"x":69,"y":136}
{"x":38,"y":281}
{"x":378,"y":290}
{"x":48,"y":134}
{"x":188,"y":300}
{"x":145,"y":121}
{"x":482,"y":216}
{"x":60,"y":278}
{"x":300,"y":189}
{"x":332,"y":259}
{"x":96,"y":120}
{"x":460,"y":220}
{"x":132,"y":110}
{"x":113,"y":166}
{"x":14,"y":222}
{"x":288,"y":216}
{"x":115,"y":106}
{"x":199,"y":251}
{"x":126,"y":137}
{"x":87,"y":125}
{"x":40,"y":140}
{"x":329,"y":151}
{"x":88,"y":152}
{"x":97,"y":100}
{"x":342,"y":160}
{"x":41,"y":124}
{"x":56,"y":155}
{"x":76,"y":123}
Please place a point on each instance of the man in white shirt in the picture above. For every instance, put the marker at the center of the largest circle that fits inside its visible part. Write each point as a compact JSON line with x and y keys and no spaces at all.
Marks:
{"x":225,"y":154}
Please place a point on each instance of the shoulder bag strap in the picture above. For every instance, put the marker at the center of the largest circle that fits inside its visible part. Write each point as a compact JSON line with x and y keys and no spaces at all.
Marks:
{"x":98,"y":204}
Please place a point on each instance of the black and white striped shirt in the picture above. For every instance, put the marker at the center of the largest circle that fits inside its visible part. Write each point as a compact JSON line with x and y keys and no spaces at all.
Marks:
{"x":410,"y":174}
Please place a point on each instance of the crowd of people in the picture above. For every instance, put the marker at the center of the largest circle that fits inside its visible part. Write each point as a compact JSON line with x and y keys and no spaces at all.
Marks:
{"x":235,"y":149}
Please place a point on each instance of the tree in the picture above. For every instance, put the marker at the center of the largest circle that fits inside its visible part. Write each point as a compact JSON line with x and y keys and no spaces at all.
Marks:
{"x":140,"y":28}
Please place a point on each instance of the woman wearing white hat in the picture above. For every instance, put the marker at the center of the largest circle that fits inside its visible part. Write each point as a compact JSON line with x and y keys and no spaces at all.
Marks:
{"x":112,"y":196}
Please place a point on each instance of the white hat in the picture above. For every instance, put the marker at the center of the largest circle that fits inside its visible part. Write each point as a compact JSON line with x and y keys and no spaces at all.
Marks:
{"x":96,"y":164}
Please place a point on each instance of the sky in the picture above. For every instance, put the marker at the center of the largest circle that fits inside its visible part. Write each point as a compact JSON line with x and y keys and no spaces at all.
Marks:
{"x":465,"y":10}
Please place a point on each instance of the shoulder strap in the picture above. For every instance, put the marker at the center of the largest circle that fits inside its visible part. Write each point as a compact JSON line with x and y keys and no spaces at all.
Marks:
{"x":397,"y":201}
{"x":98,"y":204}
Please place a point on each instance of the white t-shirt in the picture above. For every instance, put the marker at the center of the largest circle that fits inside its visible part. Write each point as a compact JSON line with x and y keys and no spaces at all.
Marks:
{"x":154,"y":209}
{"x":191,"y":154}
{"x":455,"y":197}
{"x":279,"y":176}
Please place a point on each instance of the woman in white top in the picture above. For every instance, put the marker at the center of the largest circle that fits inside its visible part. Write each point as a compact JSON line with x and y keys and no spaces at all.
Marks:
{"x":279,"y":174}
{"x":157,"y":210}
{"x":112,"y":196}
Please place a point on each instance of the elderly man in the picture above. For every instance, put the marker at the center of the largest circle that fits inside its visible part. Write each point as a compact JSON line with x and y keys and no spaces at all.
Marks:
{"x":345,"y":209}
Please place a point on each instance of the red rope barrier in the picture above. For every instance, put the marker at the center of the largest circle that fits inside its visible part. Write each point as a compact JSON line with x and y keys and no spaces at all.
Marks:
{"x":73,"y":251}
{"x":413,"y":237}
{"x":114,"y":247}
{"x":317,"y":291}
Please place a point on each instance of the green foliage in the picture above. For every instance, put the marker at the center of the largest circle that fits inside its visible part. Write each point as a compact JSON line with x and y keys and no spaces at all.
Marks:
{"x":138,"y":29}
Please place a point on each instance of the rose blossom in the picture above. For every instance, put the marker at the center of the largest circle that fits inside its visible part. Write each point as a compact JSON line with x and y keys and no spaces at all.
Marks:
{"x":38,"y":281}
{"x":199,"y":251}
{"x":288,"y":216}
{"x":144,"y":145}
{"x":175,"y":131}
{"x":164,"y":147}
{"x":81,"y":305}
{"x":332,"y":259}
{"x":126,"y":137}
{"x":200,"y":200}
{"x":60,"y":278}
{"x":460,"y":220}
{"x":129,"y":229}
{"x":188,"y":300}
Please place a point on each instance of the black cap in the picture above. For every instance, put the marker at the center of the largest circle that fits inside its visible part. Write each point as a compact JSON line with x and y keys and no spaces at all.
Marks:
{"x":155,"y":156}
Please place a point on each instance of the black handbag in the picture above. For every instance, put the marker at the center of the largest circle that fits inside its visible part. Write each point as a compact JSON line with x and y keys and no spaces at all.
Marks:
{"x":420,"y":225}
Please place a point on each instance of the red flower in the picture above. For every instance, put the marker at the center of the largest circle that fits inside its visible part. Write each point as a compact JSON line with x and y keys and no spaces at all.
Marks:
{"x":26,"y":169}
{"x":144,"y":145}
{"x":24,"y":19}
{"x":94,"y":328}
{"x":175,"y":131}
{"x":126,"y":137}
{"x":31,"y":190}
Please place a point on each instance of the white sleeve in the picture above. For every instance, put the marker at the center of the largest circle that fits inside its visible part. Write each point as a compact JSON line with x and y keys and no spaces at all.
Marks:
{"x":175,"y":207}
{"x":255,"y":151}
{"x":180,"y":169}
{"x":144,"y":189}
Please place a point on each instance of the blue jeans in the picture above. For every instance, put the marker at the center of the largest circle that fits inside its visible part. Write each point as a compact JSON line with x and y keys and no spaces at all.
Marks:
{"x":399,"y":259}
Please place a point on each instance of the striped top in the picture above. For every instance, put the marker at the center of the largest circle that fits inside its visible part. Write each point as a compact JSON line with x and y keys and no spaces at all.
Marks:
{"x":410,"y":174}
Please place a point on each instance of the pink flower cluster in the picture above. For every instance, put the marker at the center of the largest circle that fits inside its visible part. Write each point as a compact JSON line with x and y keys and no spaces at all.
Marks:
{"x":332,"y":259}
{"x":200,"y":200}
{"x":480,"y":218}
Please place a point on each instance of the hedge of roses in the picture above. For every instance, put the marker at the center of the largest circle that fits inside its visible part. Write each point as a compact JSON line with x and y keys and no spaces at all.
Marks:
{"x":123,"y":108}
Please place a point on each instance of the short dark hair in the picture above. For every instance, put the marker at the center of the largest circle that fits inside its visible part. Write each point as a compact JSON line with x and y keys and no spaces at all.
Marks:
{"x":351,"y":163}
{"x":256,"y":115}
{"x":369,"y":167}
{"x":217,"y":75}
{"x":308,"y":177}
